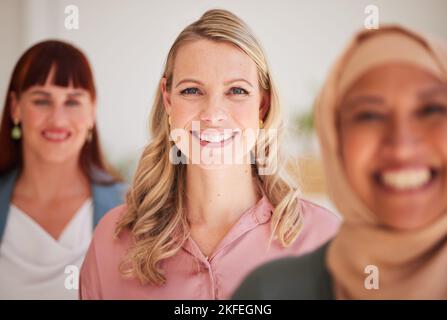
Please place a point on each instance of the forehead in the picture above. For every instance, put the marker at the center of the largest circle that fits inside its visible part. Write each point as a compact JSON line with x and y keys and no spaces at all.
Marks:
{"x":51,"y":89}
{"x":208,"y":60}
{"x":394,"y":79}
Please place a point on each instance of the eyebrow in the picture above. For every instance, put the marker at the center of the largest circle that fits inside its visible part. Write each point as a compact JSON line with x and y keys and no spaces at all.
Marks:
{"x":76,"y":94}
{"x":440,"y":89}
{"x":225,"y":83}
{"x":188,"y":80}
{"x":238,"y":80}
{"x":41,"y":92}
{"x":356,"y":101}
{"x":45,"y":93}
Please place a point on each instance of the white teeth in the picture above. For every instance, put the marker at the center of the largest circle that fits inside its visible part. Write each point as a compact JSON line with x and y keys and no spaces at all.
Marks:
{"x":407,"y":178}
{"x":213,"y":138}
{"x":55,"y":136}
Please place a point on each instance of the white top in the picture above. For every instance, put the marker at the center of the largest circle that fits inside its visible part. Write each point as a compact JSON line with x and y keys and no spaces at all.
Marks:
{"x":33,"y":265}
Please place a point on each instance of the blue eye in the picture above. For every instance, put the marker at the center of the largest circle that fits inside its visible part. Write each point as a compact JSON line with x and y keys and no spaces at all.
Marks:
{"x":238,"y":91}
{"x":190,"y":91}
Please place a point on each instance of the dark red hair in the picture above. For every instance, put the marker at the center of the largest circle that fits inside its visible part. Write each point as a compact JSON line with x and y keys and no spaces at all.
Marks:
{"x":71,"y":68}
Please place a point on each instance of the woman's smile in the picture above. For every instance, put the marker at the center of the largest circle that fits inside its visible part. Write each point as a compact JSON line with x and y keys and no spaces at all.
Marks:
{"x":214,"y":138}
{"x":406,"y":179}
{"x":393,"y":144}
{"x":56,"y":134}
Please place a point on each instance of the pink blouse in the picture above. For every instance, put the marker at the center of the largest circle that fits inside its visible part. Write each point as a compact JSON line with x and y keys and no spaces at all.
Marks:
{"x":191,"y":275}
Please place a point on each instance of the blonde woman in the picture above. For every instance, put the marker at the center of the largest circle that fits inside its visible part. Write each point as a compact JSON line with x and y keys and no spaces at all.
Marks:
{"x":193,"y":228}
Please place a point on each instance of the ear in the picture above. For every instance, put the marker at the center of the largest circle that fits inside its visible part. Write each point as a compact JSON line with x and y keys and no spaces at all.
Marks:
{"x":265,"y":105}
{"x":16,"y":114}
{"x":166,"y":95}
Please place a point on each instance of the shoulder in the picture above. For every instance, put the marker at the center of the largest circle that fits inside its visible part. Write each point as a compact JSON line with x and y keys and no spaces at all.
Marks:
{"x":319,"y":224}
{"x":120,"y":187}
{"x":304,"y":277}
{"x":105,"y":230}
{"x":106,"y":185}
{"x":7,"y":180}
{"x":101,"y":264}
{"x":104,"y":238}
{"x":106,"y":197}
{"x":115,"y":189}
{"x":318,"y":214}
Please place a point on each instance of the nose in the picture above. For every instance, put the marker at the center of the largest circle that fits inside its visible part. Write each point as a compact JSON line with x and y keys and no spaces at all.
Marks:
{"x":402,"y":138}
{"x":58,"y":114}
{"x":213,"y":111}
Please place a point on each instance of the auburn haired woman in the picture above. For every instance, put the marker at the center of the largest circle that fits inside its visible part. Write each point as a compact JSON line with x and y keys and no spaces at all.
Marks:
{"x":54,"y":182}
{"x":193,"y":224}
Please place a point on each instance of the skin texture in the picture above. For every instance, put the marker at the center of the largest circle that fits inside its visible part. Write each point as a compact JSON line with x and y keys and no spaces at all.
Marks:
{"x":393,"y":118}
{"x":215,"y":84}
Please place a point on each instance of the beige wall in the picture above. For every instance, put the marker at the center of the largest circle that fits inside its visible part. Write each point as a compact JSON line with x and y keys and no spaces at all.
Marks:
{"x":11,"y":40}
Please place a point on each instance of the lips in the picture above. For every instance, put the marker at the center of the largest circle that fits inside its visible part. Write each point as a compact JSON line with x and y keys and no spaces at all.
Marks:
{"x":407,"y":179}
{"x":56,"y":135}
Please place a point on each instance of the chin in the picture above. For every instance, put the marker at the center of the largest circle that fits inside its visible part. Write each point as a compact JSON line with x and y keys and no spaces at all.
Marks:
{"x":406,"y":219}
{"x":59,"y":157}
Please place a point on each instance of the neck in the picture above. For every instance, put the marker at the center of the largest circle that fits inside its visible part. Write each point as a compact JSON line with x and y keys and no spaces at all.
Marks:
{"x":43,"y":181}
{"x":218,"y":197}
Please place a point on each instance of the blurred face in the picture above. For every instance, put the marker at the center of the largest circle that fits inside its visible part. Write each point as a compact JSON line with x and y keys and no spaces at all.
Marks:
{"x":393,"y":137}
{"x":215,"y":99}
{"x":55,"y":121}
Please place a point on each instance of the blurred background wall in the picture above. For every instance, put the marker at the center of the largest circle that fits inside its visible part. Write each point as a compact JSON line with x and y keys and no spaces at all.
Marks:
{"x":127,"y":42}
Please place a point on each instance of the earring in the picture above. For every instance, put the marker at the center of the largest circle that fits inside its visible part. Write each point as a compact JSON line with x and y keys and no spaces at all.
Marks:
{"x":261,"y":123}
{"x":16,"y":132}
{"x":169,"y":120}
{"x":90,"y":135}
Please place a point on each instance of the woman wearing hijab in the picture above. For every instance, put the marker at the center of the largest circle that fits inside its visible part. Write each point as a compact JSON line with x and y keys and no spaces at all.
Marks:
{"x":382,"y":124}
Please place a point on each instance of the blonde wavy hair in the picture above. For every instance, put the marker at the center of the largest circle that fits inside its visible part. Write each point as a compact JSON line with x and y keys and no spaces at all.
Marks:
{"x":155,"y":213}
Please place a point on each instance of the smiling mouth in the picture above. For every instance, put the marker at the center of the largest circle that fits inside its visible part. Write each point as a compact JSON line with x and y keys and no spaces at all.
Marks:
{"x":406,"y":179}
{"x":56,"y":136}
{"x":215,"y":140}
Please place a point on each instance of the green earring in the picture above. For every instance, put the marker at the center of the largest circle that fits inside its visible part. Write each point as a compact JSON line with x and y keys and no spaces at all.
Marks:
{"x":16,"y":132}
